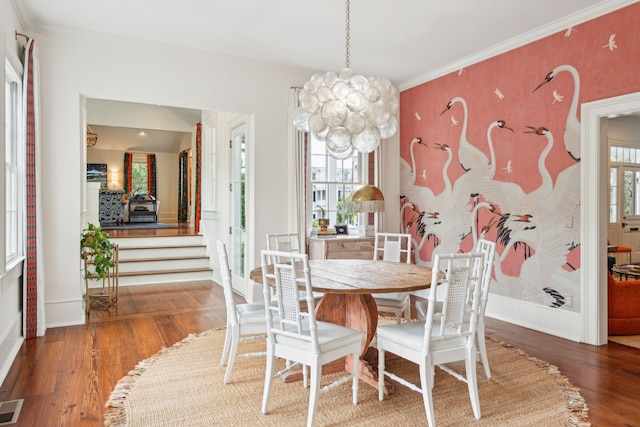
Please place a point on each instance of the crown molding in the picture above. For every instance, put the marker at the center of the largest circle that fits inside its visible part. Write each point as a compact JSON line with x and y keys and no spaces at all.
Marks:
{"x":521,"y":40}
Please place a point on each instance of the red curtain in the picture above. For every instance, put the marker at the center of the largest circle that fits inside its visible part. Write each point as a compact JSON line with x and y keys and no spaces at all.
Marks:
{"x":128,"y":164}
{"x":151,"y":175}
{"x":197,"y":175}
{"x":31,"y":248}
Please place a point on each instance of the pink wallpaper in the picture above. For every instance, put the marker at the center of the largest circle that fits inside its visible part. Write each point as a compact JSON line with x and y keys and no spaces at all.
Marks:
{"x":493,"y":150}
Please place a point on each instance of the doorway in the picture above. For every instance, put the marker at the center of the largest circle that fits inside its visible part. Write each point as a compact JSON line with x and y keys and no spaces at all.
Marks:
{"x":594,"y":211}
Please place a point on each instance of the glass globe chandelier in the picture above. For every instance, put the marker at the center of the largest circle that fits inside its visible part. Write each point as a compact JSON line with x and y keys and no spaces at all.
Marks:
{"x":347,"y":111}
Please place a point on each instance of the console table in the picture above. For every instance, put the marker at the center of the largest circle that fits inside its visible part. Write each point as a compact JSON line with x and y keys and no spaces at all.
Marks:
{"x":142,"y":210}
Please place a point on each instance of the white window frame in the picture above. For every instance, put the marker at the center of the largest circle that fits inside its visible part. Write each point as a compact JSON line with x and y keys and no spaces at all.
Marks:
{"x":624,"y":157}
{"x":325,"y":183}
{"x":140,"y":158}
{"x":14,"y":157}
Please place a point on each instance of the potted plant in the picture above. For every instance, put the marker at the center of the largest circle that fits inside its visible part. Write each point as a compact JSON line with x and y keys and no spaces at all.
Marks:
{"x":96,"y":246}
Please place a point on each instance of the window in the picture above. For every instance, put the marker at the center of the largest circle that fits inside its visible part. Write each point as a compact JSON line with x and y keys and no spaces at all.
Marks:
{"x":624,"y":183}
{"x":631,"y":192}
{"x":14,"y":165}
{"x":139,"y":174}
{"x":332,"y":181}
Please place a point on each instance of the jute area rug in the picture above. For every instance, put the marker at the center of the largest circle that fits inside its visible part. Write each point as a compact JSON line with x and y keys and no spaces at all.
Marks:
{"x":182,"y":386}
{"x":630,"y":340}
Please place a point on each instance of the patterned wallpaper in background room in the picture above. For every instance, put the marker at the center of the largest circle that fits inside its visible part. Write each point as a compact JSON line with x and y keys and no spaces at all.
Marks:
{"x":493,"y":150}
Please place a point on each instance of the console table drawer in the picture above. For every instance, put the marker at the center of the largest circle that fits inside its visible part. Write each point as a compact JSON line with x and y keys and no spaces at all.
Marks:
{"x":341,"y":248}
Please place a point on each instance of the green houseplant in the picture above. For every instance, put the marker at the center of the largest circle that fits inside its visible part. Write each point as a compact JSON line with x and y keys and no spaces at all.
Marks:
{"x":96,"y":247}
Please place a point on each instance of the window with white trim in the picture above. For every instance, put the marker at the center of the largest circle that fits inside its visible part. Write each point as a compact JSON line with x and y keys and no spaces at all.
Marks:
{"x":139,"y":174}
{"x":624,"y":183}
{"x":332,"y":181}
{"x":14,"y":165}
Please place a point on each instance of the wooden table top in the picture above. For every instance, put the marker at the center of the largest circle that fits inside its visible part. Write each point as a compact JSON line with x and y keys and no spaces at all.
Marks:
{"x":357,"y":276}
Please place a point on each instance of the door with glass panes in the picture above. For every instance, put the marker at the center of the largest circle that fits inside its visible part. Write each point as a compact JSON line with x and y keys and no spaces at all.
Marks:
{"x":624,"y":201}
{"x":238,"y":173}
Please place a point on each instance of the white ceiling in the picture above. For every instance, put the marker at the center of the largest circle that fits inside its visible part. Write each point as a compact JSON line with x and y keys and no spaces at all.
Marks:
{"x":399,"y":40}
{"x":405,"y":41}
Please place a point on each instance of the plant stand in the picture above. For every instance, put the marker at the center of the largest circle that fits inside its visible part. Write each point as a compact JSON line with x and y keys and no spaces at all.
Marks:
{"x":106,"y":295}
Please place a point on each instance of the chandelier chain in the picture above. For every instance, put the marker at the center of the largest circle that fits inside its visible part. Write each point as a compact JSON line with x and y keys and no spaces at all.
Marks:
{"x":348,"y":37}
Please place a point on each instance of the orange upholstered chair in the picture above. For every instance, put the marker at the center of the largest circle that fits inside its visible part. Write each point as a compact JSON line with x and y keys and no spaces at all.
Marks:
{"x":623,"y":306}
{"x":621,"y":249}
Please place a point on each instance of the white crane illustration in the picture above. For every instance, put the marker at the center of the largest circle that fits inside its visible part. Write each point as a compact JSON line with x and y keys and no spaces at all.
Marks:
{"x":500,"y":124}
{"x":468,"y":155}
{"x":547,"y":183}
{"x":572,"y":130}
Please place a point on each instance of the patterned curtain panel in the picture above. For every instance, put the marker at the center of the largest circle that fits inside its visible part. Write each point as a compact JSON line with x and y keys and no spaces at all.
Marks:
{"x":128,"y":163}
{"x":197,"y":175}
{"x":33,"y":304}
{"x":151,"y":175}
{"x":183,"y":186}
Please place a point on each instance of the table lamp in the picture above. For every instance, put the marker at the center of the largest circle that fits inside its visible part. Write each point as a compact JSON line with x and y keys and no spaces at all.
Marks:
{"x":364,"y":200}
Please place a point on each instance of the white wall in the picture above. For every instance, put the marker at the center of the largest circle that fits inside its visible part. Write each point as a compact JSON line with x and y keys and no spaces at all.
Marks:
{"x":139,"y":72}
{"x":625,"y":129}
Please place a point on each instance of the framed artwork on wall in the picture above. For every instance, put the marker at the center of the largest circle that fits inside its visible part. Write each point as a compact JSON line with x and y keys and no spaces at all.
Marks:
{"x":97,"y":172}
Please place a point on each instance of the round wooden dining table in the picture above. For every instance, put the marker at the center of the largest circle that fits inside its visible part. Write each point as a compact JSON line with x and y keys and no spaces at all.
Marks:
{"x":347,"y":285}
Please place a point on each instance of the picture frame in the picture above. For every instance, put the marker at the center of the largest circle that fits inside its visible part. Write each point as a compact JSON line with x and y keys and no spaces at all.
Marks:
{"x":342,"y":229}
{"x":97,"y":172}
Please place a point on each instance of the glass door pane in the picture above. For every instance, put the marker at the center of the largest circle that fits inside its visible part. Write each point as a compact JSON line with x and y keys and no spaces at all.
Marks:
{"x":238,"y":187}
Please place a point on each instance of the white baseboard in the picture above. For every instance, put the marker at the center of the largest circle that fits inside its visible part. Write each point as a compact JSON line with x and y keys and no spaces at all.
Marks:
{"x":10,"y":342}
{"x":65,"y":313}
{"x":552,"y":321}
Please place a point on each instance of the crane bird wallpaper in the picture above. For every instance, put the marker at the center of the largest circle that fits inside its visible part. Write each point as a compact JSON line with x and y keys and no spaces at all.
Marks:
{"x":493,"y":151}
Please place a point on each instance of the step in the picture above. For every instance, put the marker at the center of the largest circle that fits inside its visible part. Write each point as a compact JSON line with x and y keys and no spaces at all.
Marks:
{"x":161,"y":252}
{"x":165,"y":241}
{"x":161,"y":259}
{"x":165,"y":276}
{"x":156,"y":264}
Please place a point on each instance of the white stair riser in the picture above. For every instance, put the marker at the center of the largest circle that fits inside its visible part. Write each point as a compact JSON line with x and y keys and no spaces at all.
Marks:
{"x":163,"y":264}
{"x":149,"y":279}
{"x":158,"y":241}
{"x":161,"y":252}
{"x":166,"y":259}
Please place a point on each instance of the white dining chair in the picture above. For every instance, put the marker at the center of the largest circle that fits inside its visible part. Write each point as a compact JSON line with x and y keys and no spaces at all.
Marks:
{"x":245,"y":322}
{"x":391,"y":247}
{"x":447,"y":335}
{"x":296,"y":335}
{"x":489,"y":249}
{"x":284,"y":242}
{"x":288,"y":242}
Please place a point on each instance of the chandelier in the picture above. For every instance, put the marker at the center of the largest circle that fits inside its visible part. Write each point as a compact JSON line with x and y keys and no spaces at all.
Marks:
{"x":347,"y":111}
{"x":92,"y":137}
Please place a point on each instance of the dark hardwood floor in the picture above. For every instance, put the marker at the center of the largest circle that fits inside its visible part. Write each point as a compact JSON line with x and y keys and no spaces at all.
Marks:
{"x":66,"y":376}
{"x":182,"y":229}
